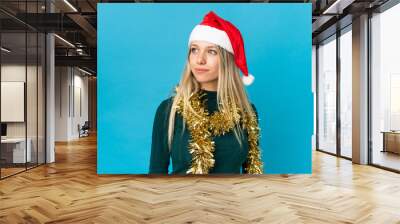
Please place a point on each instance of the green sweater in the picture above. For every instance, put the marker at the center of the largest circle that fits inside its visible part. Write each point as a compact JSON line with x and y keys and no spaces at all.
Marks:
{"x":229,"y":157}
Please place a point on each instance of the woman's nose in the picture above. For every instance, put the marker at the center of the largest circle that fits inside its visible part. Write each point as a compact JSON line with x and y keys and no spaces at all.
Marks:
{"x":201,"y":58}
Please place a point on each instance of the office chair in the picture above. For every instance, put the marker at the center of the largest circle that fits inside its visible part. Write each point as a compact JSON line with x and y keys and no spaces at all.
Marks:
{"x":84,"y":130}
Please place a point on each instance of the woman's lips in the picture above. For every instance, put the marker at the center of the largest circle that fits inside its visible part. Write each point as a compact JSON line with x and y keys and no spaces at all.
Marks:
{"x":201,"y":70}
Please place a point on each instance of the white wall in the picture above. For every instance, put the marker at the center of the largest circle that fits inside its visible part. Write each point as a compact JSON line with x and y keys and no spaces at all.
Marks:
{"x":80,"y":105}
{"x":62,"y":81}
{"x":71,"y":93}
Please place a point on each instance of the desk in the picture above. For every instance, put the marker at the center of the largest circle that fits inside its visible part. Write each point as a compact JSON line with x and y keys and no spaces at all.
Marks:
{"x":17,"y":150}
{"x":391,"y":141}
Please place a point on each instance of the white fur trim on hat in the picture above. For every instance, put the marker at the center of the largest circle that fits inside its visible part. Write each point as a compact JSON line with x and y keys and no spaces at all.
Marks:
{"x":212,"y":35}
{"x":248,"y":80}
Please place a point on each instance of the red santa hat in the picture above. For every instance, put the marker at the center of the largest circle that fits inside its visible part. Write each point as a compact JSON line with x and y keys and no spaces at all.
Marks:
{"x":221,"y":32}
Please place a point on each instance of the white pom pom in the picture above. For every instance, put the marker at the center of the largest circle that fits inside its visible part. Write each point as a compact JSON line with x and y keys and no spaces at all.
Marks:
{"x":248,"y":80}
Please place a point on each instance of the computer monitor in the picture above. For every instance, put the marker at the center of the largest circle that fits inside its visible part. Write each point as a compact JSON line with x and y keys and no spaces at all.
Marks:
{"x":3,"y":129}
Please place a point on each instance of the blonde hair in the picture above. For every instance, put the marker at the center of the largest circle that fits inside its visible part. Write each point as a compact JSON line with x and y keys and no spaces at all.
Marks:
{"x":230,"y":91}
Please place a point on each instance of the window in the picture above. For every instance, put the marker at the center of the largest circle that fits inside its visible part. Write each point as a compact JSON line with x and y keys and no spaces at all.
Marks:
{"x":327,"y":95}
{"x":385,"y":88}
{"x":346,"y":92}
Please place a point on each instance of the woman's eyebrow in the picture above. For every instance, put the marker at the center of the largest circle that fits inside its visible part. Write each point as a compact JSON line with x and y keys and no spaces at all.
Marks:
{"x":195,"y":45}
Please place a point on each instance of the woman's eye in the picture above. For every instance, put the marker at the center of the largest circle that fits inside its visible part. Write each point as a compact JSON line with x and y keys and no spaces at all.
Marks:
{"x":213,"y":52}
{"x":193,"y":50}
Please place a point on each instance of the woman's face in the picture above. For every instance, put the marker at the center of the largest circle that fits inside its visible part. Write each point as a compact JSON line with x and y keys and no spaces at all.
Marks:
{"x":204,"y":63}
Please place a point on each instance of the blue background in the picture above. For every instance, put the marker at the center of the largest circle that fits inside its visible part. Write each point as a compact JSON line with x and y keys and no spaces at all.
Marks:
{"x":141,"y":55}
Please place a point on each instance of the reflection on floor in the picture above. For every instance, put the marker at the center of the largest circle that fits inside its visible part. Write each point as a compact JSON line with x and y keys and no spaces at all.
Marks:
{"x":10,"y":169}
{"x":386,"y":159}
{"x":346,"y":152}
{"x":71,"y":191}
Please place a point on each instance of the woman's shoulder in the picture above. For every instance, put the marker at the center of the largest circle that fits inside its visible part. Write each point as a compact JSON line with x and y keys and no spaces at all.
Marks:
{"x":165,"y":105}
{"x":166,"y":102}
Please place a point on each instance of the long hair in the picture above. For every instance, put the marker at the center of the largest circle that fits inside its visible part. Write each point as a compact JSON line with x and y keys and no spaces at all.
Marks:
{"x":230,"y":91}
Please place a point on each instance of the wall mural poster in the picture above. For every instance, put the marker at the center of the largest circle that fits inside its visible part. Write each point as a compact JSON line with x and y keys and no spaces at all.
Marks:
{"x":233,"y":80}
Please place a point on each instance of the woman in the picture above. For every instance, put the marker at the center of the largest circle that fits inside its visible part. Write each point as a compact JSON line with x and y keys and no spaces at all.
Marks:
{"x":209,"y":126}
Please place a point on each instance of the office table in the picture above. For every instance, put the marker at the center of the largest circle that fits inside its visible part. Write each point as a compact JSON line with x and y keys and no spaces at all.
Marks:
{"x":16,"y":147}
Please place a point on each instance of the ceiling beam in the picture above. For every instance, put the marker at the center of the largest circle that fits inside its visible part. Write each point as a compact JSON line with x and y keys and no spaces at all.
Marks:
{"x":82,"y":61}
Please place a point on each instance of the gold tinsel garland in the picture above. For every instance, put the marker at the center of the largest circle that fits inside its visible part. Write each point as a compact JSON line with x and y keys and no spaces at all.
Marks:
{"x":202,"y":127}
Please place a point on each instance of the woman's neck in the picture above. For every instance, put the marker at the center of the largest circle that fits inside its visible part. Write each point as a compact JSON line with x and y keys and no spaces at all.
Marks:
{"x":209,"y":90}
{"x":209,"y":87}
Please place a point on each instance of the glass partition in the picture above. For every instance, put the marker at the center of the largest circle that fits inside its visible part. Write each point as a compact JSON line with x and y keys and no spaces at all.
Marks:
{"x":22,"y":77}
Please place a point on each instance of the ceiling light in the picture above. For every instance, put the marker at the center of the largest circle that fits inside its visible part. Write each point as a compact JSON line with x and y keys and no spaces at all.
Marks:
{"x":64,"y":40}
{"x":70,"y":5}
{"x":84,"y":71}
{"x":5,"y":50}
{"x":338,"y":6}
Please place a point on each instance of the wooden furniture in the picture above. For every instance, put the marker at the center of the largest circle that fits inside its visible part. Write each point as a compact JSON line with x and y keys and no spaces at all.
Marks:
{"x":391,"y":141}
